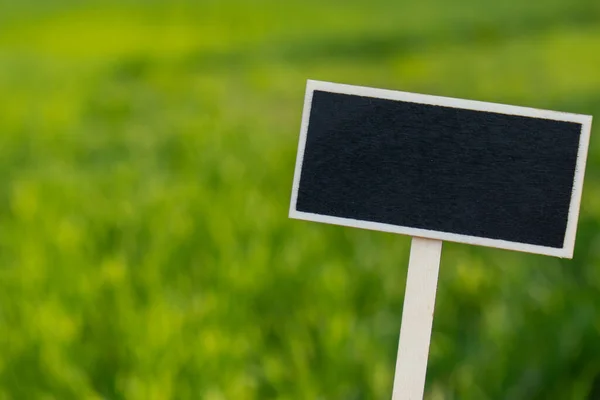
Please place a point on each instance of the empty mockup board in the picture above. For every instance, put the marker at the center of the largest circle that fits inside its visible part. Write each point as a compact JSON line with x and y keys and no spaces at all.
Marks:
{"x":441,"y":168}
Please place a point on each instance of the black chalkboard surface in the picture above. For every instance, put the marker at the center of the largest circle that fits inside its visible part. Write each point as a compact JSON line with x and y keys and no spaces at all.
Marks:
{"x":441,"y":168}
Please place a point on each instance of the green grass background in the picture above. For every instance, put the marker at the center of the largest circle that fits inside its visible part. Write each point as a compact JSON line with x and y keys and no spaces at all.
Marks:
{"x":146,"y":160}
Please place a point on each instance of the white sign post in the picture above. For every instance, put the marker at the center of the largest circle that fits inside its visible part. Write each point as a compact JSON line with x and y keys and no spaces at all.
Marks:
{"x":417,"y":319}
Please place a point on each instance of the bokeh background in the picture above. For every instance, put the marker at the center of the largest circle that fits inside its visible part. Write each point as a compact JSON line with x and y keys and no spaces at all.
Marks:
{"x":146,"y":160}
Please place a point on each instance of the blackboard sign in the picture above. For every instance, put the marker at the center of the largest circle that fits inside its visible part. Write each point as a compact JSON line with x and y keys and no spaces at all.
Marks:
{"x":441,"y":168}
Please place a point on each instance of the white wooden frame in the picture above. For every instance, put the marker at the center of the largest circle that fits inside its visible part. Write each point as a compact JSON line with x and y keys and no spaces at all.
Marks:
{"x":569,"y":243}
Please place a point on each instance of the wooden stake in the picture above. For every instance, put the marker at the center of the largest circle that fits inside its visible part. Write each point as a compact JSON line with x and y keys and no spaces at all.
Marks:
{"x":417,"y":319}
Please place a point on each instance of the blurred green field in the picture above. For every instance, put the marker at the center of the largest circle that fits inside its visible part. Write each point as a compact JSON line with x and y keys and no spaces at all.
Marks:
{"x":147,"y":152}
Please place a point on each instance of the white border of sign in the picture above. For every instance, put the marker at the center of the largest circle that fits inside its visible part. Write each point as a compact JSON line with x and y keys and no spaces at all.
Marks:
{"x":569,"y":244}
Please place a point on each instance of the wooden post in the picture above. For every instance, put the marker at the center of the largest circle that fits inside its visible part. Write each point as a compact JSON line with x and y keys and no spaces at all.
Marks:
{"x":417,"y":319}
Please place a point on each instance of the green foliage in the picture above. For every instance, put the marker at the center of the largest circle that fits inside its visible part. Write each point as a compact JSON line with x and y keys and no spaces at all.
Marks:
{"x":147,"y":154}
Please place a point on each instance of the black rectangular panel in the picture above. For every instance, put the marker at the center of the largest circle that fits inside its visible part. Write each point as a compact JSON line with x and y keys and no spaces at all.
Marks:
{"x":444,"y":169}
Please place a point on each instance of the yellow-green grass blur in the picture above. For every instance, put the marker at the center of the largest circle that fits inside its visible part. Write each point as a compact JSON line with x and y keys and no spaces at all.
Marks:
{"x":146,"y":160}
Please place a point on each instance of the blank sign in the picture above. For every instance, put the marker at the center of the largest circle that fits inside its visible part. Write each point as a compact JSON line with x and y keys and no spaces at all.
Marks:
{"x":449,"y":169}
